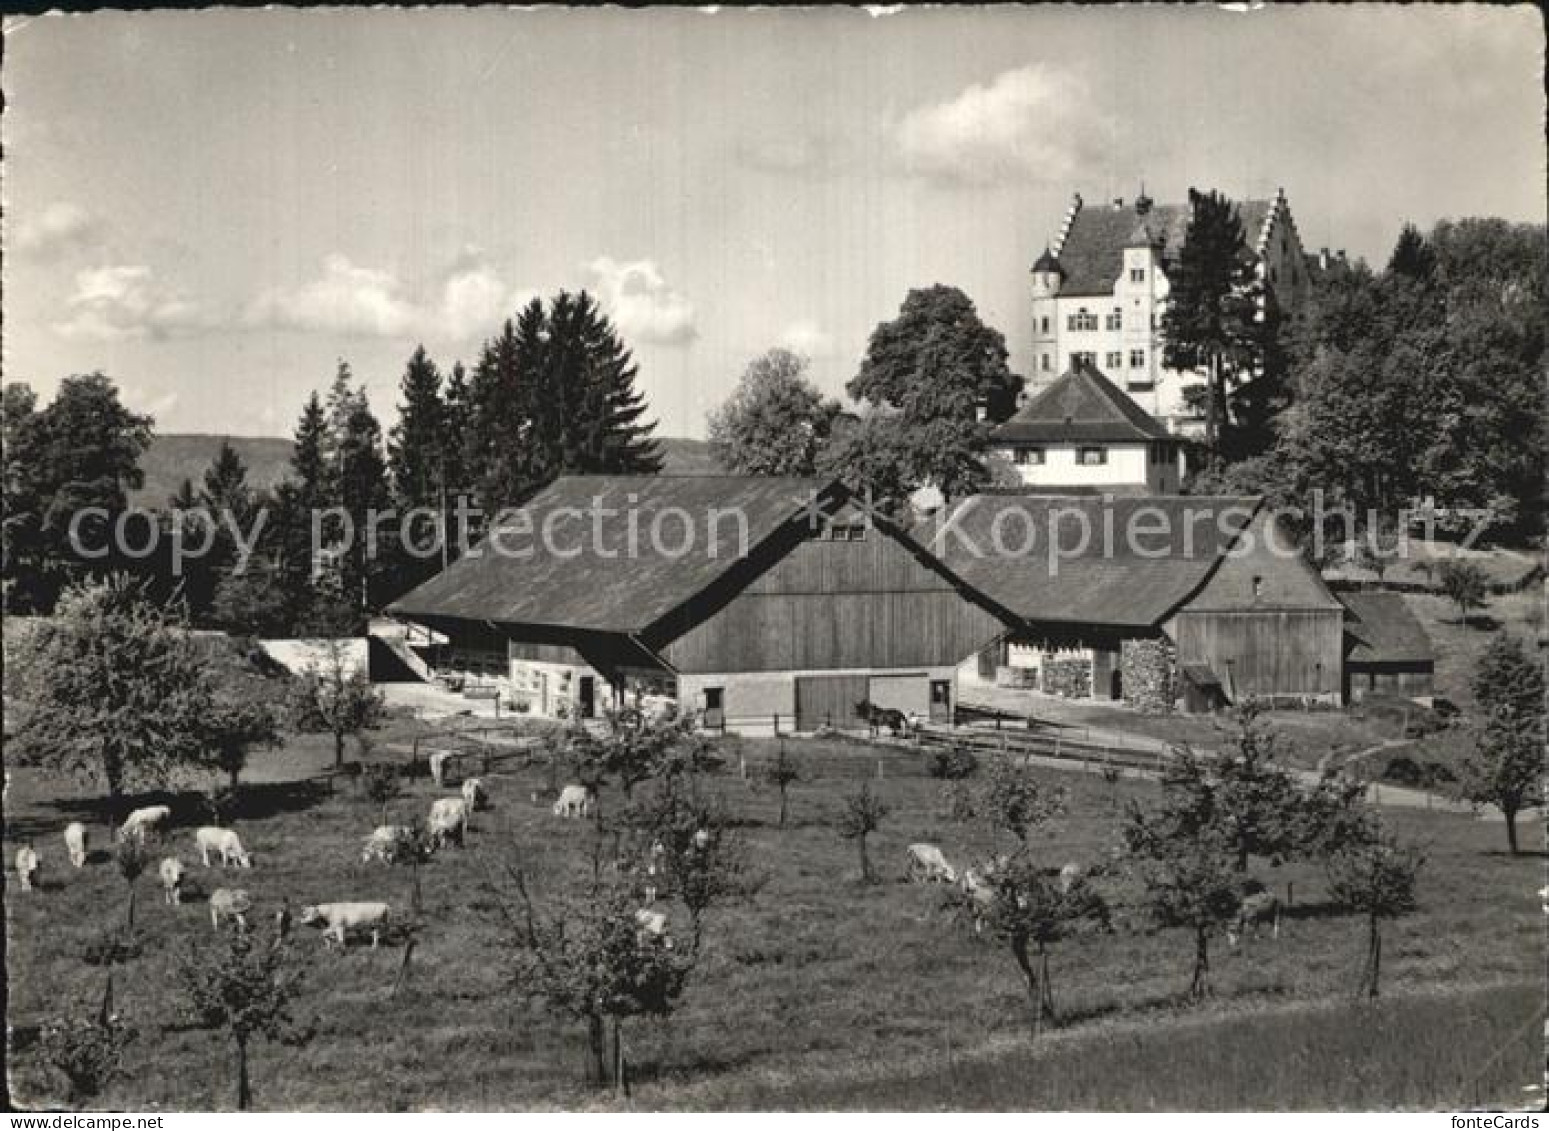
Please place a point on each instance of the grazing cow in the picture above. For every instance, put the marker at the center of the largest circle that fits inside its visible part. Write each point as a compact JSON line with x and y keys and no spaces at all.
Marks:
{"x":151,"y":819}
{"x":574,"y":801}
{"x":230,"y":903}
{"x":26,"y":865}
{"x":1070,"y":875}
{"x":224,"y":843}
{"x":171,"y":873}
{"x":448,"y":822}
{"x":75,"y":844}
{"x":387,"y":843}
{"x":928,"y":864}
{"x":438,"y":760}
{"x":475,"y":795}
{"x":1257,"y":908}
{"x":337,"y":918}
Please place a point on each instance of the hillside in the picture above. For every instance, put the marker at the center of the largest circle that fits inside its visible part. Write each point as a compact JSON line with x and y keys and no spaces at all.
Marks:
{"x":174,"y":457}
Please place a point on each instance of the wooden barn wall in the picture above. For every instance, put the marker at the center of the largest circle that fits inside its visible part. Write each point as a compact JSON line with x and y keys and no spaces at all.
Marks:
{"x":818,"y":632}
{"x":1273,"y":652}
{"x":827,"y":605}
{"x":1285,"y":580}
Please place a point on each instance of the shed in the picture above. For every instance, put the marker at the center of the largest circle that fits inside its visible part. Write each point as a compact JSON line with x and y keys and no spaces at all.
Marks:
{"x":1386,"y":648}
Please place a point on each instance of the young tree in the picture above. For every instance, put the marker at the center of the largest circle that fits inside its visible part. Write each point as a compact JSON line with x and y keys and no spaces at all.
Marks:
{"x":1254,"y":797}
{"x":696,"y":850}
{"x":87,"y":1052}
{"x":587,"y":957}
{"x":861,"y":816}
{"x":235,"y":727}
{"x":1029,"y":910}
{"x":1011,"y":798}
{"x":776,"y":422}
{"x":1209,"y":320}
{"x":1464,"y":584}
{"x":938,"y":367}
{"x":336,"y":698}
{"x":1505,"y":768}
{"x":1377,"y":879}
{"x":244,"y":983}
{"x":110,"y":688}
{"x":782,"y":773}
{"x":382,"y":786}
{"x":1190,"y":877}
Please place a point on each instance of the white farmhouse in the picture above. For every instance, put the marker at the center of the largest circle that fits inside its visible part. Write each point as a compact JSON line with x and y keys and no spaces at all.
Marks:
{"x":1083,"y":434}
{"x":1099,"y":292}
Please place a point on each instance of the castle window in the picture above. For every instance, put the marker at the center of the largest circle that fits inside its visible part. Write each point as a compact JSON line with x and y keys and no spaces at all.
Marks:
{"x":1082,"y":319}
{"x":1115,"y":359}
{"x":1043,"y":324}
{"x":1027,"y":456}
{"x":1044,"y":362}
{"x":1082,"y":357}
{"x":1115,"y":320}
{"x":1137,"y":274}
{"x":1137,"y":359}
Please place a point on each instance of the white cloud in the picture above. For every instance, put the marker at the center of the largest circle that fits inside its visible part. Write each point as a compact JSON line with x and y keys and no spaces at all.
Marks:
{"x":345,"y":299}
{"x":471,"y":302}
{"x":62,"y":226}
{"x":640,"y":302}
{"x":1019,"y":126}
{"x":127,"y":301}
{"x":806,"y":337}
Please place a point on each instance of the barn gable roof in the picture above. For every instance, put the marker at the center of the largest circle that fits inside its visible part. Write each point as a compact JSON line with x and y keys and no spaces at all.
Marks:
{"x":1081,"y":406}
{"x":1379,"y":628}
{"x":1001,"y":545}
{"x":594,"y":576}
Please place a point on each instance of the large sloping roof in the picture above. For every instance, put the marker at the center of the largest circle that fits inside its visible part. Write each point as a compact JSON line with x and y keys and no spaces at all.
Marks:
{"x":607,"y":586}
{"x":1379,"y":628}
{"x":1162,"y":550}
{"x":1092,"y":254}
{"x":1081,"y":406}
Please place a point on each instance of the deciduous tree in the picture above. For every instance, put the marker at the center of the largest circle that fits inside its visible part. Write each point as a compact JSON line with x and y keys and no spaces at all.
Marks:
{"x":776,"y":422}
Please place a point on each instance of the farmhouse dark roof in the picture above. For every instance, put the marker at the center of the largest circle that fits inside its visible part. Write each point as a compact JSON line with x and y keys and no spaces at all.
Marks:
{"x":1092,"y":253}
{"x":1380,"y":629}
{"x":607,"y":587}
{"x":1153,"y":562}
{"x":1081,"y":406}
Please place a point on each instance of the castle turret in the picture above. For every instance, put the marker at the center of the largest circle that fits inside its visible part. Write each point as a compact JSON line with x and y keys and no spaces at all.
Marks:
{"x":1047,"y":275}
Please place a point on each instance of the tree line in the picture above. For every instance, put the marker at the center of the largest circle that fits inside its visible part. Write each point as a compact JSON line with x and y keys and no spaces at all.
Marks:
{"x":552,"y":393}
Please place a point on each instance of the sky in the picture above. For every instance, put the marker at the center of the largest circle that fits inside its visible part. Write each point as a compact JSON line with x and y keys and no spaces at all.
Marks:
{"x":216,"y":207}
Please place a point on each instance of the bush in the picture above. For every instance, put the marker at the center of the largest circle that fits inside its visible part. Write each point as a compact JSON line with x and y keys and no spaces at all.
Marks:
{"x":87,"y":1053}
{"x":954,"y":765}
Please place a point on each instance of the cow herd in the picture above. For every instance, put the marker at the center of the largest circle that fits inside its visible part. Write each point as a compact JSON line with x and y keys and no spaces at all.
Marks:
{"x":446,"y":826}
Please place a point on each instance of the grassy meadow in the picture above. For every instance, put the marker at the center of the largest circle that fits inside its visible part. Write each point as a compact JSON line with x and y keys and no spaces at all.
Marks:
{"x":821,"y":992}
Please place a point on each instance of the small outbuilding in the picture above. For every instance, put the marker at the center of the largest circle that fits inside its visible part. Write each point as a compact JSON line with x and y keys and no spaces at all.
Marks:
{"x":1387,"y":650}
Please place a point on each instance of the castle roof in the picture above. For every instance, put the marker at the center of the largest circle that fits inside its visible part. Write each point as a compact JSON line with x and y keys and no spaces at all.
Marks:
{"x":1092,"y":251}
{"x":1047,"y":263}
{"x":1082,"y":406}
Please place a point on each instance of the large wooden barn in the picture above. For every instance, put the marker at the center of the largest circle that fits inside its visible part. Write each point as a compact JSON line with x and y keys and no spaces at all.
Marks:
{"x":761,"y":602}
{"x":1162,"y":599}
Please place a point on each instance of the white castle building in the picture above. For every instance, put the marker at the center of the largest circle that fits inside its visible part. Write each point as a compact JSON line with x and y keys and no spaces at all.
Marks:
{"x":1099,"y":292}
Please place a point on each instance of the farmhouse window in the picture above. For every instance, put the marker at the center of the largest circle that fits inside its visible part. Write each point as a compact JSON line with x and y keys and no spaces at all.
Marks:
{"x":1092,"y":456}
{"x":844,"y":532}
{"x":1137,"y":359}
{"x":1026,"y":456}
{"x":1115,"y":359}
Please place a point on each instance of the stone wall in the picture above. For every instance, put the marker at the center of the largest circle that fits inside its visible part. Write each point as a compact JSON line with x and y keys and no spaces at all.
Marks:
{"x":1067,"y":676}
{"x":1148,"y":670}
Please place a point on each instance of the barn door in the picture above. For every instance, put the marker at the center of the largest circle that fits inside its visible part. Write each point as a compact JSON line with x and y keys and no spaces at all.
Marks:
{"x":828,"y":700}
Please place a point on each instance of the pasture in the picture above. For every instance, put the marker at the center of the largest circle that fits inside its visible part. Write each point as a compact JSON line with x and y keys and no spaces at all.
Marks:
{"x":820,"y":992}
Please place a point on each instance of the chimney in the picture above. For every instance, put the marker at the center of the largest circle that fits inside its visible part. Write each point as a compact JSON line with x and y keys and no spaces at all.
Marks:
{"x":1323,"y":259}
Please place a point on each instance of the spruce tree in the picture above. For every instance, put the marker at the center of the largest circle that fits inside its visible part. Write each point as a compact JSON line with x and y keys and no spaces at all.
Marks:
{"x":416,"y":445}
{"x":1209,"y":320}
{"x":1412,"y":256}
{"x":226,"y":488}
{"x":457,"y":428}
{"x":594,"y":374}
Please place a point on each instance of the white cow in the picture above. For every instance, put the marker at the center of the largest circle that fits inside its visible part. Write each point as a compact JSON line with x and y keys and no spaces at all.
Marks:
{"x":448,"y":821}
{"x":171,"y":872}
{"x":574,"y":801}
{"x":226,"y":845}
{"x":151,"y":819}
{"x":928,"y":864}
{"x":230,"y":903}
{"x":26,"y":865}
{"x":475,"y":795}
{"x":386,"y":843}
{"x":1070,"y":875}
{"x":337,"y":918}
{"x":75,"y":844}
{"x":1259,"y":907}
{"x":438,"y":761}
